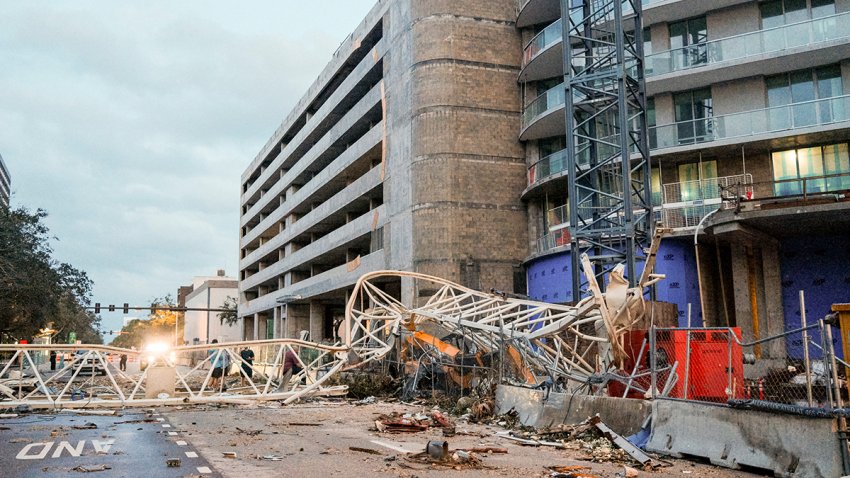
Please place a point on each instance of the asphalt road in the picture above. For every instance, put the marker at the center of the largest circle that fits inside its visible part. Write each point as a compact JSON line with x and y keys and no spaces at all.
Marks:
{"x":131,"y":444}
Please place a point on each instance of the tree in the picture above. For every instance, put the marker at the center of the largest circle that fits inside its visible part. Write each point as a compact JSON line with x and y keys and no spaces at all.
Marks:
{"x":229,"y":317}
{"x":159,"y":326}
{"x":36,"y":289}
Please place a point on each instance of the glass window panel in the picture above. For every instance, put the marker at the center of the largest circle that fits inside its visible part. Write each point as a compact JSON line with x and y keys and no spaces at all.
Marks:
{"x":803,"y":90}
{"x":698,"y":30}
{"x":683,"y":103}
{"x":829,"y":81}
{"x":771,"y":14}
{"x":678,"y":35}
{"x":778,"y":90}
{"x":647,"y":41}
{"x":709,"y":169}
{"x":810,"y":163}
{"x":823,"y":8}
{"x":837,"y":161}
{"x":796,"y":11}
{"x":785,"y":167}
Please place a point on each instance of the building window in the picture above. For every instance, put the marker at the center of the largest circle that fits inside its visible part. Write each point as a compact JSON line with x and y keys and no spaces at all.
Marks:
{"x":694,"y":181}
{"x":693,"y":116}
{"x":655,"y":184}
{"x":688,"y":42}
{"x":651,"y":123}
{"x":803,"y":98}
{"x":813,"y":170}
{"x":777,"y":13}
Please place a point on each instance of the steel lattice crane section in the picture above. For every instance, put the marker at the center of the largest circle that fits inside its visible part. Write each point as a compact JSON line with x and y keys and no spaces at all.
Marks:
{"x":608,"y":156}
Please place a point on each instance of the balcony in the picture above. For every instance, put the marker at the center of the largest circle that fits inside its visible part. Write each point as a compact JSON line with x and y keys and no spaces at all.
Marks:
{"x":543,"y":56}
{"x":760,"y":52}
{"x":774,"y":40}
{"x":544,"y":116}
{"x":686,"y":203}
{"x":750,"y":124}
{"x":811,"y":205}
{"x":533,"y":12}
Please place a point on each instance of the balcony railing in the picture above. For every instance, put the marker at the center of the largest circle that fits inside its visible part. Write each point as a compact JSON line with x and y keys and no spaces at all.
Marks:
{"x":749,"y":123}
{"x":558,"y":217}
{"x":687,"y":203}
{"x":736,"y":47}
{"x":551,"y":99}
{"x":785,"y":37}
{"x":549,"y":36}
{"x":553,"y":240}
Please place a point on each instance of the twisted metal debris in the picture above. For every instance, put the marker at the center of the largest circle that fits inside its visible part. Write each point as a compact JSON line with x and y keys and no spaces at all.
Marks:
{"x":453,"y":328}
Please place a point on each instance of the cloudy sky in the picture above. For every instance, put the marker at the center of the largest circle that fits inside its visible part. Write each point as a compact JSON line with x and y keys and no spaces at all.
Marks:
{"x":131,"y":123}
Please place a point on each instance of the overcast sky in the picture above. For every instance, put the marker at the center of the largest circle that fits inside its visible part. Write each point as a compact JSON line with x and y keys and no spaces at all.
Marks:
{"x":131,"y":123}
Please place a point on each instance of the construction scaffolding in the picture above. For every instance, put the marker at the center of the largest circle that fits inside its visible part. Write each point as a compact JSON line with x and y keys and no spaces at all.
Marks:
{"x":607,"y":149}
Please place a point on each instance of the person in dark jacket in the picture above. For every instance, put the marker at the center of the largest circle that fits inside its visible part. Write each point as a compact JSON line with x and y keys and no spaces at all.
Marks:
{"x":247,"y":364}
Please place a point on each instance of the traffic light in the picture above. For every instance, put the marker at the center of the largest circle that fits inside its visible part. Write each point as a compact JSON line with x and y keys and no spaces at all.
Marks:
{"x":126,"y":308}
{"x":110,"y":333}
{"x":97,"y":307}
{"x":111,"y":308}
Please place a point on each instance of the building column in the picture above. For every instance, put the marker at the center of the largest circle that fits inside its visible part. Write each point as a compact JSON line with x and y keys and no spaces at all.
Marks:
{"x":256,"y":326}
{"x":298,"y":319}
{"x":774,"y":317}
{"x":276,"y":324}
{"x":317,"y":321}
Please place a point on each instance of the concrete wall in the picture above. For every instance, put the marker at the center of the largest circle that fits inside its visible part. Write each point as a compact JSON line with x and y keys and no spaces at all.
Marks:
{"x":624,"y":415}
{"x":466,"y":165}
{"x":787,"y":445}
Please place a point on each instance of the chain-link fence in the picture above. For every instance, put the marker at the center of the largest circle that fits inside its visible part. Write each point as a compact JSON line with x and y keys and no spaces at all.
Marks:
{"x":797,"y":367}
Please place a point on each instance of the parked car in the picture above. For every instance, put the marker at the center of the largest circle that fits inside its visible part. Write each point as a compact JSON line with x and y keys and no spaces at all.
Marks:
{"x":90,"y":365}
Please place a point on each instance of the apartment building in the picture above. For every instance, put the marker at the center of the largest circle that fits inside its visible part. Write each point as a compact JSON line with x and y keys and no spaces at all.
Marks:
{"x":748,"y":112}
{"x":5,"y":184}
{"x":403,"y":154}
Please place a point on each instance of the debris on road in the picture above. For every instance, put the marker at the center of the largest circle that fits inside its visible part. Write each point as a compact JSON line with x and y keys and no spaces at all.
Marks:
{"x":228,"y":454}
{"x":173,"y":462}
{"x":92,"y":468}
{"x":592,"y":437}
{"x":365,"y":450}
{"x":412,"y":423}
{"x":271,"y":458}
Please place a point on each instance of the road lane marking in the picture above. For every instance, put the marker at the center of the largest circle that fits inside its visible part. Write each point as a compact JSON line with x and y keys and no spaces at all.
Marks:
{"x":165,"y":425}
{"x":204,"y":469}
{"x":391,"y":446}
{"x":172,"y":434}
{"x":181,"y":443}
{"x":191,"y":454}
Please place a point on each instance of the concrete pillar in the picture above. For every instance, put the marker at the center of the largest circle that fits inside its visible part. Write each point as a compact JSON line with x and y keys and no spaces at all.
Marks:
{"x":774,"y":317}
{"x":298,"y":319}
{"x":317,"y":321}
{"x":276,"y":324}
{"x":256,"y":327}
{"x":741,"y":289}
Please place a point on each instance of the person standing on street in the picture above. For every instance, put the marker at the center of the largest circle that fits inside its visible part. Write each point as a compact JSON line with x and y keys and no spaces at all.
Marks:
{"x":122,"y":363}
{"x":291,"y":365}
{"x":218,"y":364}
{"x":247,"y":364}
{"x":52,"y":360}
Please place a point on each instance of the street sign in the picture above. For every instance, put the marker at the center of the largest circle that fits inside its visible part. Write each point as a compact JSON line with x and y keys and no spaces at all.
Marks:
{"x":72,"y":337}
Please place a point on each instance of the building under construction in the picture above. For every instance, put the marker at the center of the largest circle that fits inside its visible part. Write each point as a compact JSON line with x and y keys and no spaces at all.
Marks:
{"x":437,"y":132}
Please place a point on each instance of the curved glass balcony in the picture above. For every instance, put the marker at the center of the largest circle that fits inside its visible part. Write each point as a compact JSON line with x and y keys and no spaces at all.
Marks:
{"x":546,"y":38}
{"x":737,"y":47}
{"x":750,"y":123}
{"x":550,"y":100}
{"x":547,"y":166}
